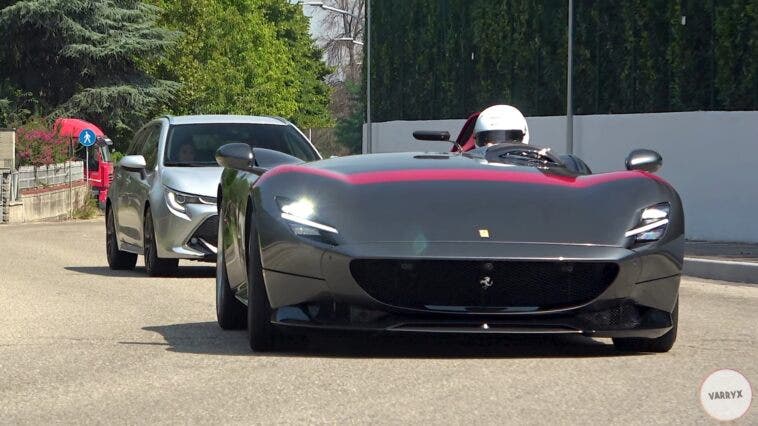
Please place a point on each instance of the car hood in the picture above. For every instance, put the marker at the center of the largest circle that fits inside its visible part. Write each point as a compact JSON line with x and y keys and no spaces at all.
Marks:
{"x":193,"y":180}
{"x":448,"y":200}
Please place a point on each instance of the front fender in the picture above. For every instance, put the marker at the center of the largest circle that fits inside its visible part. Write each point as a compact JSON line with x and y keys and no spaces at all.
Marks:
{"x":234,"y":194}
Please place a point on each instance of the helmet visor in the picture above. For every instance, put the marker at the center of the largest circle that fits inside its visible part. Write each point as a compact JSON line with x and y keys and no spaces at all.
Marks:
{"x":499,"y":136}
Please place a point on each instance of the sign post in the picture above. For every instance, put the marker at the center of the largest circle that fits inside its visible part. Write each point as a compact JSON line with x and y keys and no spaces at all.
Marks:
{"x":87,"y":139}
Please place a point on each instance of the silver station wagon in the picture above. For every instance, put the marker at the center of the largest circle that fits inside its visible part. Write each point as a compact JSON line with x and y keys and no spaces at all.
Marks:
{"x":162,"y":203}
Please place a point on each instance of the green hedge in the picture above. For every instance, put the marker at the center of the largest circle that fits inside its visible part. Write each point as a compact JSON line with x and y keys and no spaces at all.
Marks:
{"x":434,"y":59}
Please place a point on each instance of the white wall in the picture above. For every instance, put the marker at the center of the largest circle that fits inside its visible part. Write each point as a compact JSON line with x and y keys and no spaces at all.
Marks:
{"x":710,"y":157}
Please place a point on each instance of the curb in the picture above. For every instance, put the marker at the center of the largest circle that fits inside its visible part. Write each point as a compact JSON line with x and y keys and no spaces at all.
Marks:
{"x":724,"y":270}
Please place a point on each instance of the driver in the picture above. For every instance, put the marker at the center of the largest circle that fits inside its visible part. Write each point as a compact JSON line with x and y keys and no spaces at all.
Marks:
{"x":186,"y":153}
{"x":499,"y":124}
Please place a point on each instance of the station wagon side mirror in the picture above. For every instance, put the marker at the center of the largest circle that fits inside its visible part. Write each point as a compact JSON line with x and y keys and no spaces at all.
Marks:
{"x":644,"y":159}
{"x":133,"y":163}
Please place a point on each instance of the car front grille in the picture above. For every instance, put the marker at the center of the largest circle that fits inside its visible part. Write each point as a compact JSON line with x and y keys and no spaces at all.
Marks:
{"x":208,"y":231}
{"x":482,"y":284}
{"x":622,"y":316}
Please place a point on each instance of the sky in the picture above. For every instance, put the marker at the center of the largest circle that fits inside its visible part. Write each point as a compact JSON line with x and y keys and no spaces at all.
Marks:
{"x":315,"y":14}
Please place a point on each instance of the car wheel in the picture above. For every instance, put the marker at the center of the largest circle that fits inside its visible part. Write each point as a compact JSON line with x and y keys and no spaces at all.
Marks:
{"x":230,"y":312}
{"x":155,"y":265}
{"x":659,"y":344}
{"x":260,"y":332}
{"x":117,"y":259}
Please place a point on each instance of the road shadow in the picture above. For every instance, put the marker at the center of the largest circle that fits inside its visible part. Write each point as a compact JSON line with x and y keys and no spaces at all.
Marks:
{"x":209,"y":338}
{"x":190,"y":271}
{"x":201,"y":338}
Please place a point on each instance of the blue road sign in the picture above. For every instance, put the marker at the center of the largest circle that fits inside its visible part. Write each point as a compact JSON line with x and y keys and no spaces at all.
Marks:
{"x":87,"y":137}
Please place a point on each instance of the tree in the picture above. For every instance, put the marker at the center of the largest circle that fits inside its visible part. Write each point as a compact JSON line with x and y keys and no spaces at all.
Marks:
{"x":309,"y":71}
{"x":79,"y":58}
{"x":337,"y":33}
{"x":630,"y":56}
{"x":245,"y":57}
{"x":349,"y":128}
{"x":16,"y":106}
{"x":336,"y":30}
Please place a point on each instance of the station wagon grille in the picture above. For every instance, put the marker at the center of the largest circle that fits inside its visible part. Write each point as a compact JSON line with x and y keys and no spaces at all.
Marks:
{"x":208,"y":231}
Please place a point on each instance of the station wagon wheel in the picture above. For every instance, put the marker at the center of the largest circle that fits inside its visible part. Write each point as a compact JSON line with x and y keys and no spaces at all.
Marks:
{"x":155,"y":265}
{"x":117,"y":259}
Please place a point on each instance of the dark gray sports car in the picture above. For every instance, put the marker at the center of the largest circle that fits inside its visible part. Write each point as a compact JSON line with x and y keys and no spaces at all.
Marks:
{"x":514,"y":240}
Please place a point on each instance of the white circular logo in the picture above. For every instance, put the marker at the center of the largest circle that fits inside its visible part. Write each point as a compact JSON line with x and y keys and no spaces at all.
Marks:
{"x":726,"y":395}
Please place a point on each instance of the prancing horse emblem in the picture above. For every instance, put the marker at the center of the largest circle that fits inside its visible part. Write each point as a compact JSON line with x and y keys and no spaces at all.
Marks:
{"x":486,"y":282}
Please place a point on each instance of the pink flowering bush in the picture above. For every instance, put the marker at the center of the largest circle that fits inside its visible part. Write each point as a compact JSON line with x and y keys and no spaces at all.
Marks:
{"x":37,"y":144}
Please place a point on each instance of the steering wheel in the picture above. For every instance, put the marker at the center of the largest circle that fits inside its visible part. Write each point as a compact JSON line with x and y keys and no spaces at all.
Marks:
{"x":520,"y":152}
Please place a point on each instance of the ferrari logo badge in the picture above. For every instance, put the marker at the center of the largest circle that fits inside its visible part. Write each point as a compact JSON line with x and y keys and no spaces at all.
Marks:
{"x":486,"y":283}
{"x":484,"y":233}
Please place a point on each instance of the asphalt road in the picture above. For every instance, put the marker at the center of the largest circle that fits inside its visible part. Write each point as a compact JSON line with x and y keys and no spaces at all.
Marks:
{"x":82,"y":344}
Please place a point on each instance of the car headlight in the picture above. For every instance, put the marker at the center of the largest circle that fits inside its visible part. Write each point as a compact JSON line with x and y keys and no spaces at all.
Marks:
{"x":178,"y":200}
{"x":653,"y":223}
{"x":299,"y":215}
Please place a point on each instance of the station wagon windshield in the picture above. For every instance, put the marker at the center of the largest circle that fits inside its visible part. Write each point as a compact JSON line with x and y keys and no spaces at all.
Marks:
{"x":196,"y":144}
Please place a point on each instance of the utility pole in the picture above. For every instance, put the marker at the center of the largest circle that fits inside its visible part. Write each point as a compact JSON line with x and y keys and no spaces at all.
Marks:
{"x":569,"y":81}
{"x":369,"y":147}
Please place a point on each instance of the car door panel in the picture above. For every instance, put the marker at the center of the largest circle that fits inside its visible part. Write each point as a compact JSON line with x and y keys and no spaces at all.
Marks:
{"x":142,"y":185}
{"x":125,"y":182}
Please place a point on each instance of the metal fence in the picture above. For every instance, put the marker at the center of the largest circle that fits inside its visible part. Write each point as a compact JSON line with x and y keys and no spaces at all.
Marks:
{"x":3,"y":202}
{"x":6,"y":193}
{"x":53,"y":174}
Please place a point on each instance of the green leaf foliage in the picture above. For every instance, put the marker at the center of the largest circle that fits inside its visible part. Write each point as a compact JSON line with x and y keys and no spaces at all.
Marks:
{"x":244,"y":57}
{"x":434,"y":59}
{"x":349,"y":129}
{"x":79,"y":58}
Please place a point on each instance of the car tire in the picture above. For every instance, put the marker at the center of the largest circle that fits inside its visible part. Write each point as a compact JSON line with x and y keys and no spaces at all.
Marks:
{"x":230,"y":312}
{"x":117,"y":259}
{"x":154,"y":265}
{"x":260,"y":332}
{"x":659,"y":344}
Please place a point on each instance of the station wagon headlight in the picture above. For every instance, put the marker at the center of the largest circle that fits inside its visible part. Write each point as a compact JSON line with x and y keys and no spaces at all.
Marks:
{"x":653,"y":223}
{"x":178,"y":200}
{"x":299,"y":215}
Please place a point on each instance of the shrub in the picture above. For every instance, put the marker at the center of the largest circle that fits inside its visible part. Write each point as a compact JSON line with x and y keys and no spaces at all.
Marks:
{"x":88,"y":210}
{"x":116,"y":156}
{"x":37,"y":144}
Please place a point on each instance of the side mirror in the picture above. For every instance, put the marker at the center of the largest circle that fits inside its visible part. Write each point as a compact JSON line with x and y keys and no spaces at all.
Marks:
{"x":432,"y":135}
{"x":238,"y":156}
{"x":133,"y":163}
{"x":644,"y":159}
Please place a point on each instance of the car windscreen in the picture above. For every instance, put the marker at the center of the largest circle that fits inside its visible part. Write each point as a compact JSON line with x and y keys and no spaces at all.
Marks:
{"x":196,"y":144}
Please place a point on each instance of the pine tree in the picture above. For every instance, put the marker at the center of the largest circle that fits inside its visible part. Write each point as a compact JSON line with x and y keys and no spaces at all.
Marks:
{"x":80,"y":58}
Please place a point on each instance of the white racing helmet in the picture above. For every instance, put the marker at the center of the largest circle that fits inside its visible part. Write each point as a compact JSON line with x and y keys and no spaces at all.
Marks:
{"x":501,"y":124}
